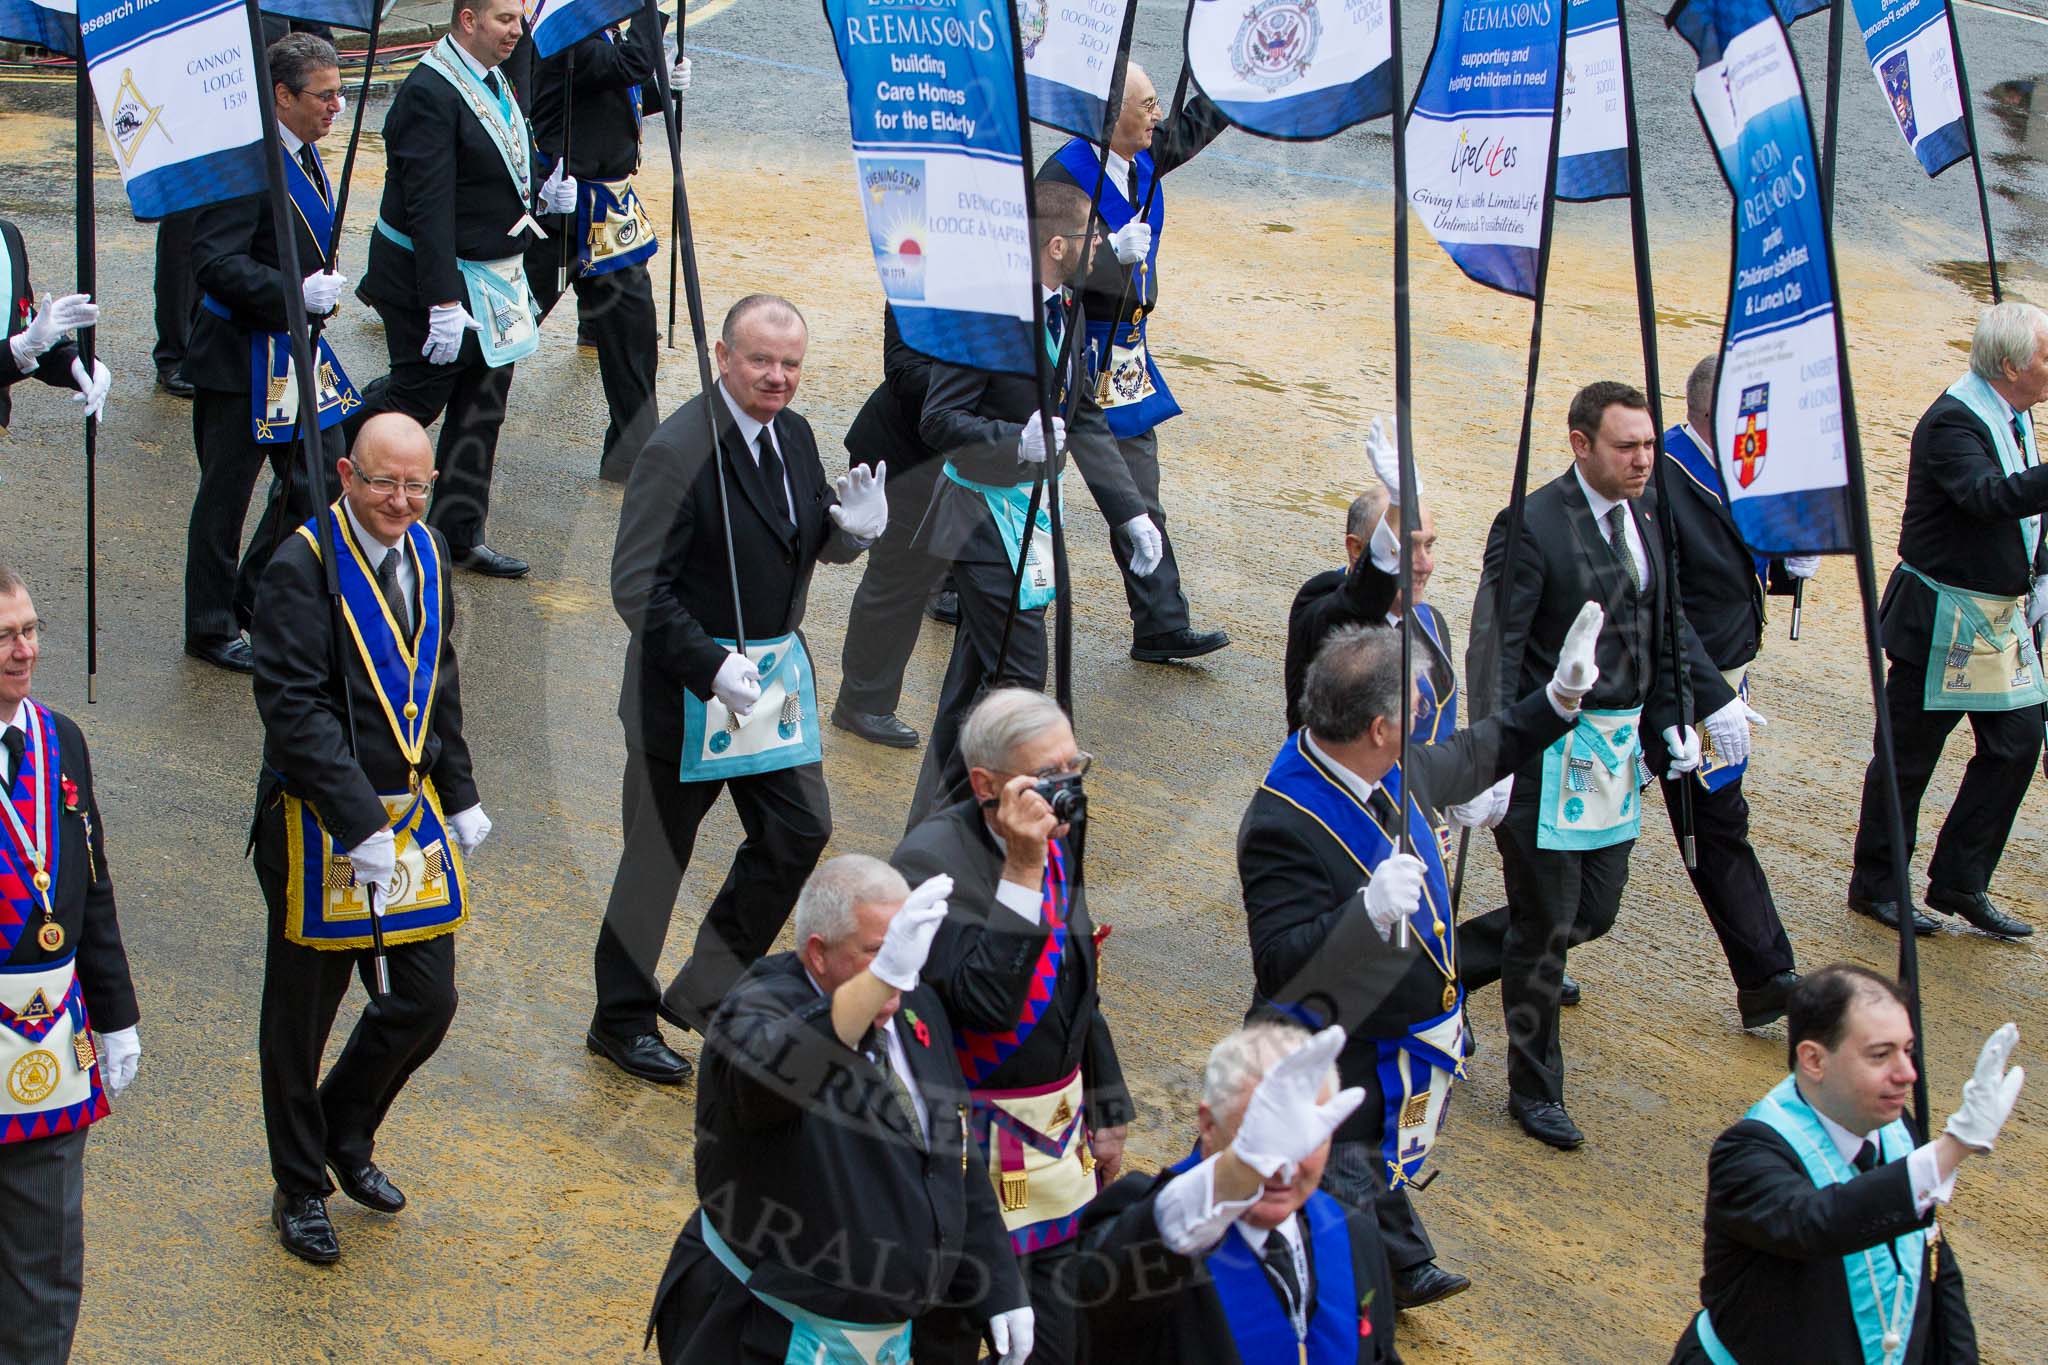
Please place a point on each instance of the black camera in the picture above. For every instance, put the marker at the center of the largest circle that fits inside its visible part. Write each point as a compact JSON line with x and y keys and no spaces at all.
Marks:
{"x":1064,"y":794}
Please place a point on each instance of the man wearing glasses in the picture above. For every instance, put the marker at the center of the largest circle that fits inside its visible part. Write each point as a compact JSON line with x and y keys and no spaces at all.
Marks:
{"x":239,"y":360}
{"x":1014,"y":965}
{"x":347,"y":829}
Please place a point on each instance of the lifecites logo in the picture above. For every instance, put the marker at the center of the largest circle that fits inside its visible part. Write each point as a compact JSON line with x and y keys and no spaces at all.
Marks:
{"x":1276,"y":42}
{"x":1486,"y":156}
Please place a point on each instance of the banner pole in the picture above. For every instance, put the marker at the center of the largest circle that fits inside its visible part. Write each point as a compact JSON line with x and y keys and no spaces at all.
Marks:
{"x":1404,"y":444}
{"x":87,"y":230}
{"x":1831,"y":95}
{"x":672,"y":118}
{"x":1955,"y":42}
{"x":568,"y":121}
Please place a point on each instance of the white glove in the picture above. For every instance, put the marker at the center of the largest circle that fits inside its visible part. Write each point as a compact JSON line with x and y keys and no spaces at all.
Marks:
{"x":1132,"y":242}
{"x":1729,"y":729}
{"x":470,"y":828}
{"x":1283,"y":1124}
{"x":91,"y":392}
{"x":446,"y":322}
{"x":1031,"y":445}
{"x":738,"y":684}
{"x":54,"y":319}
{"x":322,"y":292}
{"x":1989,"y":1094}
{"x":1394,"y":892}
{"x":1576,"y":672}
{"x":121,"y":1050}
{"x":863,"y":508}
{"x":558,"y":192}
{"x":1485,"y":810}
{"x":1684,"y":745}
{"x":679,"y":75}
{"x":1147,"y":546}
{"x":910,"y":934}
{"x":1802,"y":566}
{"x":1014,"y":1334}
{"x":1386,"y":459}
{"x":375,"y":859}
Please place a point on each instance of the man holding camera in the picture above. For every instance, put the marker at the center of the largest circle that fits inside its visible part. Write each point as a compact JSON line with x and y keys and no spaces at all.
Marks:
{"x":1015,"y":967}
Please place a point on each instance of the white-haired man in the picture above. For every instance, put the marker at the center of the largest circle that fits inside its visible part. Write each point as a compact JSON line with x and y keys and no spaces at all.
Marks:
{"x":1232,"y":1256}
{"x":1015,"y":965}
{"x":838,"y":1195}
{"x":1959,"y":617}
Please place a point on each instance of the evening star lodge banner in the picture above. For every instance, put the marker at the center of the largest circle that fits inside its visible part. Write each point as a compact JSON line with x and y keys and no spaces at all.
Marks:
{"x":932,"y":90}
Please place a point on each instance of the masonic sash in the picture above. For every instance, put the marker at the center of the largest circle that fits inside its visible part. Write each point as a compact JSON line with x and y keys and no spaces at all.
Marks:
{"x":501,"y":119}
{"x":815,"y":1339}
{"x":29,"y":861}
{"x":46,"y":1053}
{"x":1592,"y":776}
{"x":613,"y":230}
{"x":324,"y":906}
{"x":1985,"y":404}
{"x":780,"y":732}
{"x":1980,"y":653}
{"x":1439,"y":718}
{"x":982,"y":1054}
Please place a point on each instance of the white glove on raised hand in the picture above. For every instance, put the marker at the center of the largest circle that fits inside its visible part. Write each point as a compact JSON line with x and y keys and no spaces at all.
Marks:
{"x":910,"y":934}
{"x":1802,"y":566}
{"x":1729,"y":729}
{"x":1282,"y":1123}
{"x":1394,"y":892}
{"x":863,"y":507}
{"x":120,"y":1053}
{"x":1576,"y":672}
{"x":470,"y":828}
{"x":558,"y":191}
{"x":1031,"y":445}
{"x":679,"y":75}
{"x":1684,"y":744}
{"x":1485,"y":810}
{"x":375,"y":859}
{"x":1132,"y":242}
{"x":1989,"y":1094}
{"x":322,"y":292}
{"x":1386,"y":459}
{"x":92,"y":392}
{"x":446,"y":322}
{"x":738,"y":684}
{"x":1147,"y":546}
{"x":57,"y":317}
{"x":1014,"y":1334}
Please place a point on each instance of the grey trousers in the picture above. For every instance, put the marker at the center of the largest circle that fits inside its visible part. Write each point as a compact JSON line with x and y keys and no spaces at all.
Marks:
{"x":42,"y":1247}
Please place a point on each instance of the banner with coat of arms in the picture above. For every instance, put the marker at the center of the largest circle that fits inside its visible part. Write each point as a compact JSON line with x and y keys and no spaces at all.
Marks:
{"x":1070,"y":57}
{"x":1913,"y":55}
{"x":1292,"y":69}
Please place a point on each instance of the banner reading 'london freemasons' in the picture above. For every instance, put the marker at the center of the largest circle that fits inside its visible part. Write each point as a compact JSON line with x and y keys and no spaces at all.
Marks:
{"x":1070,"y":49}
{"x":1778,"y":406}
{"x":1292,"y":69}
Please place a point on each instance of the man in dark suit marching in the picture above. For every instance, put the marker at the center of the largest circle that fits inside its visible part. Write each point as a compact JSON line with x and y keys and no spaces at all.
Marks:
{"x":1960,"y":618}
{"x":238,"y":359}
{"x":1820,"y":1239}
{"x":703,"y":715}
{"x":1574,"y":812}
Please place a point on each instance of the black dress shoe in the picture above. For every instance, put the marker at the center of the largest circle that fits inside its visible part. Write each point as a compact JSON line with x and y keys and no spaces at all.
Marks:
{"x":879,"y":729}
{"x":1976,"y":907}
{"x":1426,"y":1283}
{"x":175,"y":384}
{"x":1546,"y":1121}
{"x":302,"y":1227}
{"x":481,"y":558}
{"x":646,"y":1057}
{"x":233,"y":655}
{"x":369,"y":1186}
{"x":1174,"y":645}
{"x":944,"y":607}
{"x":1568,"y":992}
{"x":1887,"y":914}
{"x":1765,"y":1004}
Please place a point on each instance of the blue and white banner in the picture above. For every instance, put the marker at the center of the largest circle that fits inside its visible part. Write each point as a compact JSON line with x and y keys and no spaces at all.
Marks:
{"x":1913,"y":57}
{"x":1478,"y":135}
{"x":938,"y":152}
{"x":1792,"y":11}
{"x":353,"y":14}
{"x":560,"y":24}
{"x":1070,"y":49}
{"x":45,"y":23}
{"x":175,"y":81}
{"x":1592,"y":146}
{"x":1778,"y":406}
{"x":1292,"y":69}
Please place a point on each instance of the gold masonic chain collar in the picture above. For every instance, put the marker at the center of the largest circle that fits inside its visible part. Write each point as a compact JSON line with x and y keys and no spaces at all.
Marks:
{"x":51,"y":936}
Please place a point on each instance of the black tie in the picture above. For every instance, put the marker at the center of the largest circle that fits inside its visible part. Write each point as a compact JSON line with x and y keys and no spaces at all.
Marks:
{"x":387,"y":583}
{"x":1131,"y":183}
{"x":1866,"y":1158}
{"x":497,"y":89}
{"x":877,"y":1048}
{"x":16,"y":747}
{"x":312,"y":164}
{"x":771,"y":470}
{"x":1055,"y":319}
{"x":1617,"y":521}
{"x":1279,"y":1260}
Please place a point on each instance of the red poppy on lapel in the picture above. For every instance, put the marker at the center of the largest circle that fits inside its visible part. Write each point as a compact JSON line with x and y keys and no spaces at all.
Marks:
{"x":70,"y":790}
{"x":918,"y":1027}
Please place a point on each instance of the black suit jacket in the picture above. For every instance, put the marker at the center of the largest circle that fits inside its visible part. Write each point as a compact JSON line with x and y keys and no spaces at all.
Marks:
{"x":1773,"y":1280}
{"x":234,"y":252}
{"x":1718,"y":583}
{"x":305,"y":748}
{"x":1360,"y":595}
{"x":446,"y":188}
{"x":975,"y":418}
{"x":1565,"y":562}
{"x":670,"y":580}
{"x":1961,"y":524}
{"x":807,"y":1168}
{"x":886,"y":428}
{"x":1311,"y":939}
{"x":54,"y":368}
{"x":983,"y":959}
{"x":604,"y":131}
{"x":82,"y":894}
{"x":1146,"y":1305}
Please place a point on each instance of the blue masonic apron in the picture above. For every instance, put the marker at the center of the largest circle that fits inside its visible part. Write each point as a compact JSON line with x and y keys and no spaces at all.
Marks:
{"x":815,"y":1339}
{"x":1884,"y":1282}
{"x":781,"y":731}
{"x":613,"y":230}
{"x":1714,"y":772}
{"x":1128,"y":385}
{"x":1008,"y":506}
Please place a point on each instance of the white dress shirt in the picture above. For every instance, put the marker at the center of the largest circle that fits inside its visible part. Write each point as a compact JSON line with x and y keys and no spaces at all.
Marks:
{"x":1027,"y":901}
{"x":750,"y":432}
{"x":1925,"y":1173}
{"x":1118,"y":172}
{"x":408,"y":575}
{"x":476,"y":67}
{"x":1601,"y":507}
